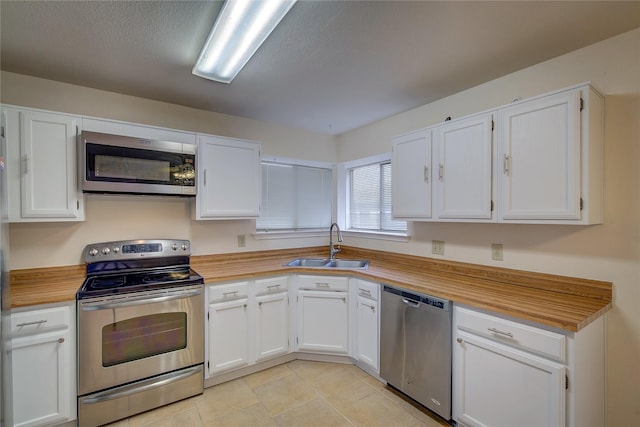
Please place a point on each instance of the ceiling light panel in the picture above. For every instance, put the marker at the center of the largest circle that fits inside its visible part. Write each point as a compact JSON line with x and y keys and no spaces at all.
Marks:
{"x":242,"y":26}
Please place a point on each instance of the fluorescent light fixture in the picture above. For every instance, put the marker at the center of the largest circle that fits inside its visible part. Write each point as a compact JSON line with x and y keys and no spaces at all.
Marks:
{"x":240,"y":29}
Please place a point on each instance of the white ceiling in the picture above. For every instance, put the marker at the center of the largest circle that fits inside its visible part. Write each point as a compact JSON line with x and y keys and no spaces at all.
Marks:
{"x":331,"y":66}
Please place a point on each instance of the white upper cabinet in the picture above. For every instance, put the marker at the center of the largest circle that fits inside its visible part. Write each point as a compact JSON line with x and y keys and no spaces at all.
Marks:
{"x":462,"y":185}
{"x":229,"y":178}
{"x":550,"y":153}
{"x":546,"y":166}
{"x":41,"y":163}
{"x":411,"y":175}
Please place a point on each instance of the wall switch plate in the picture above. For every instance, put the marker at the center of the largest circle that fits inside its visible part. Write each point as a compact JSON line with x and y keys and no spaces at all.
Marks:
{"x":437,"y":247}
{"x":242,"y":240}
{"x":496,"y":251}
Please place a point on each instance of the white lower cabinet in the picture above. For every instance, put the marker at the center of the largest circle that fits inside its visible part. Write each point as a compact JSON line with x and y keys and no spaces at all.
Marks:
{"x":248,"y":322}
{"x":272,"y":318}
{"x":367,"y":324}
{"x":323,"y":314}
{"x":43,"y":366}
{"x":507,"y":373}
{"x":228,"y":327}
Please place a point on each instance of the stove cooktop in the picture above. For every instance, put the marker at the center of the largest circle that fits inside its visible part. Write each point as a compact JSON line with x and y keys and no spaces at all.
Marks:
{"x":135,"y":266}
{"x":111,"y":284}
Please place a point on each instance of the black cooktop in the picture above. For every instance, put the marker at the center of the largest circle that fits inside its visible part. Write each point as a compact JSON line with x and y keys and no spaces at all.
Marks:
{"x":126,"y":266}
{"x":137,"y":281}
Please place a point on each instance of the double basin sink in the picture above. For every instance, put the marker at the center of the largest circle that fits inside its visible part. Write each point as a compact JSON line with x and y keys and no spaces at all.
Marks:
{"x":329,"y":263}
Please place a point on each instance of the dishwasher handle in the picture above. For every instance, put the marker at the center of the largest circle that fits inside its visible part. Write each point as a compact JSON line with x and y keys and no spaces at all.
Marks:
{"x":411,"y":303}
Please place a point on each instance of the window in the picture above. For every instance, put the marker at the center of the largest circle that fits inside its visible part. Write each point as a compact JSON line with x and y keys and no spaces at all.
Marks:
{"x":370,"y":199}
{"x":295,"y":197}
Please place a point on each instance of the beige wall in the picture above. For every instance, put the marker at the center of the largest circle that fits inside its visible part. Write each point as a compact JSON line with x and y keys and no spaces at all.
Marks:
{"x":132,"y":217}
{"x":607,"y":252}
{"x":610,"y":251}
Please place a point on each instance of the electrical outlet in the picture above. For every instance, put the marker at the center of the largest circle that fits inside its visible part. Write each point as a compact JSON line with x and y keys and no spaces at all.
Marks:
{"x":437,"y":247}
{"x":242,"y":240}
{"x":496,"y":251}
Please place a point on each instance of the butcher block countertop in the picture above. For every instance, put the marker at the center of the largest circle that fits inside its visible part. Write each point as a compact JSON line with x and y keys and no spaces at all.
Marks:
{"x":558,"y":301}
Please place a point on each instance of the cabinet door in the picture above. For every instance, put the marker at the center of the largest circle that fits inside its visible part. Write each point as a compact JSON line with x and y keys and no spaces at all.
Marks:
{"x":49,"y":187}
{"x":539,"y":159}
{"x":498,"y":386}
{"x":323,"y":322}
{"x":462,"y":169}
{"x":228,"y":335}
{"x":367,"y":332}
{"x":272,"y":325}
{"x":411,"y":175}
{"x":229,"y":178}
{"x":42,"y":378}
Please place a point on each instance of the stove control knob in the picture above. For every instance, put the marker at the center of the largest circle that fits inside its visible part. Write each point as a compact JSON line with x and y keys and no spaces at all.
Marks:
{"x":174,"y":246}
{"x":93,"y":252}
{"x":106,"y":251}
{"x":116,"y":249}
{"x":184,"y":247}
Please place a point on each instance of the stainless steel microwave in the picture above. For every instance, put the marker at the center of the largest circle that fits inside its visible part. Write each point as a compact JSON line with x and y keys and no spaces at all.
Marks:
{"x":121,"y":164}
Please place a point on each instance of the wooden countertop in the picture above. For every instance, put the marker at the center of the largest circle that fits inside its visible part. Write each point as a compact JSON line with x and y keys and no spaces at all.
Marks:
{"x":563,"y":302}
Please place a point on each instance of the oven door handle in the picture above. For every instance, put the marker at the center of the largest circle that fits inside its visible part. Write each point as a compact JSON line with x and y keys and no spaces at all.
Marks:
{"x":146,"y":385}
{"x":139,"y":300}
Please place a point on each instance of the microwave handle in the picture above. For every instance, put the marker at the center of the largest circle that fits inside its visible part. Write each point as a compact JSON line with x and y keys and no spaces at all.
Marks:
{"x":139,"y":300}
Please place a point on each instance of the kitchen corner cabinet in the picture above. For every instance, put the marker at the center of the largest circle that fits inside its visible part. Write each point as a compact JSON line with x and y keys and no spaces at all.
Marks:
{"x":43,"y":364}
{"x":42,"y":165}
{"x":462,"y":184}
{"x":229,"y":178}
{"x":367,"y":324}
{"x":550,"y":159}
{"x":411,"y":171}
{"x":323,"y":314}
{"x":508,"y":373}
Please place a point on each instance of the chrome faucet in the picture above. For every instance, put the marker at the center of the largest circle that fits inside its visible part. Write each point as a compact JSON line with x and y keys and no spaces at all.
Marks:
{"x":333,"y":251}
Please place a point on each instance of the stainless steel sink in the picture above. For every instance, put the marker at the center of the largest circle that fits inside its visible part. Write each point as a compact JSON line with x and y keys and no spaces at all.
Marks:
{"x":307,"y":262}
{"x":328,"y":263}
{"x":348,"y":263}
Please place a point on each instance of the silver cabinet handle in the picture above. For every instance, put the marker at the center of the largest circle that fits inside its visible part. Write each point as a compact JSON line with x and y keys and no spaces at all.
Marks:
{"x":499,"y":332}
{"x":459,"y":340}
{"x":373,"y":308}
{"x":507,"y":161}
{"x":37,"y":322}
{"x":60,"y":340}
{"x":270,"y":287}
{"x":441,"y":171}
{"x":426,"y":173}
{"x":365,"y":291}
{"x":26,"y":164}
{"x":322,"y":285}
{"x":230,"y":294}
{"x":204,"y":173}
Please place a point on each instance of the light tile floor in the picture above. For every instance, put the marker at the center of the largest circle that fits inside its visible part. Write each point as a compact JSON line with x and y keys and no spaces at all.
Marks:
{"x":297,"y":393}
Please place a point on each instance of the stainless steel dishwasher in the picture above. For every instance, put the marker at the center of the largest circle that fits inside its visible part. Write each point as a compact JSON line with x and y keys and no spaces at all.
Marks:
{"x":415,"y":347}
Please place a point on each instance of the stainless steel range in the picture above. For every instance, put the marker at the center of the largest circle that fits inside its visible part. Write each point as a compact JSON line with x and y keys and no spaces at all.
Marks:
{"x":140,"y":329}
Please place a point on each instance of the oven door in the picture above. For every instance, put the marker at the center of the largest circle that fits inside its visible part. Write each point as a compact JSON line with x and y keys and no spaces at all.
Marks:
{"x":139,"y":335}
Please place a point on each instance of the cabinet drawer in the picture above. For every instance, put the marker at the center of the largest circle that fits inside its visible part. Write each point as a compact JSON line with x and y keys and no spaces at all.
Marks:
{"x":535,"y":340}
{"x":367,"y":289}
{"x":229,"y":291}
{"x":272,"y":285}
{"x":41,"y":320}
{"x":324,"y":283}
